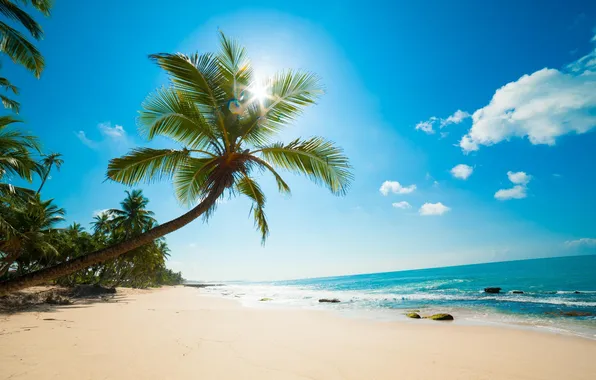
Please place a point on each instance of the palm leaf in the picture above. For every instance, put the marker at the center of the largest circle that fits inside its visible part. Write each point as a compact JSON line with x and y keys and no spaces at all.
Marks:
{"x":43,"y":6}
{"x":165,"y":113}
{"x":282,"y":186}
{"x":146,"y":165}
{"x":10,"y":104}
{"x":8,"y":86}
{"x":252,"y":190}
{"x":235,"y":66}
{"x":192,"y":179}
{"x":318,"y":159}
{"x":12,"y":11}
{"x":21,"y":51}
{"x":289,"y":93}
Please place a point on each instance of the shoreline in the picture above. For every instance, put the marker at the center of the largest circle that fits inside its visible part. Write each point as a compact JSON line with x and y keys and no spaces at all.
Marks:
{"x":463,"y":315}
{"x":181,"y":332}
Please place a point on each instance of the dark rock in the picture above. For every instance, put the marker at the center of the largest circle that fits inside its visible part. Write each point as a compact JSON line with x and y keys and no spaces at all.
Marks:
{"x":572,"y":313}
{"x":440,"y":317}
{"x":55,"y":299}
{"x":577,"y":292}
{"x":517,"y":291}
{"x":81,"y":291}
{"x":266,"y":299}
{"x":329,"y":300}
{"x":413,"y":315}
{"x":202,"y":285}
{"x":492,"y":290}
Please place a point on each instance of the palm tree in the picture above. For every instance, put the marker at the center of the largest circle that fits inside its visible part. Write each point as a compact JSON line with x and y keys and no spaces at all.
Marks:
{"x":134,"y":218}
{"x":101,"y":223}
{"x":214,"y":111}
{"x":34,"y":221}
{"x":52,"y":159}
{"x":15,"y":153}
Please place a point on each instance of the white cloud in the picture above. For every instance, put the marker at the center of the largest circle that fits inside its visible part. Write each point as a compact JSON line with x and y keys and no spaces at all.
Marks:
{"x":433,"y":209}
{"x":462,"y":171}
{"x":456,"y":118}
{"x":115,"y":136}
{"x":403,"y":205}
{"x":519,"y":191}
{"x":114,"y":132}
{"x":395,"y":188}
{"x":516,"y":192}
{"x":583,"y":242}
{"x":519,"y":178}
{"x":427,"y":126}
{"x":541,"y":106}
{"x":102,"y":212}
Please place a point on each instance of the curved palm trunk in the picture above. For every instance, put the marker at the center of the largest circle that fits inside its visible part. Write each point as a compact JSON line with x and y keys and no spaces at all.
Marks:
{"x":108,"y":253}
{"x":44,"y":179}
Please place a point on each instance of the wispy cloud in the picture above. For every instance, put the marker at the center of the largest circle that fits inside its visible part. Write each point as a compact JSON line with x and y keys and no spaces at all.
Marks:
{"x":429,"y":209}
{"x":519,"y":191}
{"x":456,"y":118}
{"x":583,"y":242}
{"x":115,"y":136}
{"x":462,"y":171}
{"x":541,"y":107}
{"x":428,"y":125}
{"x":403,"y":205}
{"x":395,"y":188}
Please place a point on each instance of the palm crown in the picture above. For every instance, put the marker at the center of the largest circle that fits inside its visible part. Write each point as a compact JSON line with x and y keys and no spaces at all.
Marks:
{"x":227,"y":132}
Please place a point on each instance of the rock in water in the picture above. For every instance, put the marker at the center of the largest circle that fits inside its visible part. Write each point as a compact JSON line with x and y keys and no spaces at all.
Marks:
{"x":266,"y":299}
{"x":517,"y":292}
{"x":577,"y":292}
{"x":492,"y":290}
{"x":330,"y":300}
{"x":413,"y":315}
{"x":441,"y":317}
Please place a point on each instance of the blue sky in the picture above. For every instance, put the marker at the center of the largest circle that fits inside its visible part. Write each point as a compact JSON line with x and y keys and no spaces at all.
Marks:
{"x":392,"y":73}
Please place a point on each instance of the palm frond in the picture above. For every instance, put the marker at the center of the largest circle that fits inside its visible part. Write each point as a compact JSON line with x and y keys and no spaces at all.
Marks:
{"x":8,"y":86}
{"x":10,"y":104}
{"x":191,"y":180}
{"x":235,"y":66}
{"x":318,"y":159}
{"x":146,"y":165}
{"x":288,"y":93}
{"x":247,"y":186}
{"x":282,"y":186}
{"x":198,"y":77}
{"x":12,"y":11}
{"x":21,"y":51}
{"x":43,"y":6}
{"x":165,"y":113}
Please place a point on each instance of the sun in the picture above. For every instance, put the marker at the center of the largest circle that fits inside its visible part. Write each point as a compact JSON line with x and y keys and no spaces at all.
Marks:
{"x":258,"y":91}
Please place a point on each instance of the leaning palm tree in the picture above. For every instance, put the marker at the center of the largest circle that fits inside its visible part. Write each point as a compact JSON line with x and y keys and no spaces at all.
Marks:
{"x":225,"y":122}
{"x":52,"y":159}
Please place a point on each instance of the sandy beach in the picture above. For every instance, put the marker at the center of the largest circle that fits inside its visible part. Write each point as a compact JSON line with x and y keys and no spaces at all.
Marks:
{"x":178,"y":333}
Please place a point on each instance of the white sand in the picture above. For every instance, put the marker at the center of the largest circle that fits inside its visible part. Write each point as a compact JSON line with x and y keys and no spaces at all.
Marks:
{"x":177,"y":333}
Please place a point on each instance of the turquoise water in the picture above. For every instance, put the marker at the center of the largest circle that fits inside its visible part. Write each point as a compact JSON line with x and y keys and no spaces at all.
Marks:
{"x":551,"y":287}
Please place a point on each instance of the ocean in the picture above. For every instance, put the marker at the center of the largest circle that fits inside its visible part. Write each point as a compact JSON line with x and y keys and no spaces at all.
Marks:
{"x":559,"y":294}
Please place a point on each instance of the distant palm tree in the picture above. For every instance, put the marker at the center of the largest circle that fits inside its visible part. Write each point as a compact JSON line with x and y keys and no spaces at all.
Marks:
{"x":225,"y":122}
{"x":34,"y":221}
{"x":134,"y":218}
{"x":14,"y":44}
{"x":52,"y":159}
{"x":101,"y":223}
{"x":15,"y":153}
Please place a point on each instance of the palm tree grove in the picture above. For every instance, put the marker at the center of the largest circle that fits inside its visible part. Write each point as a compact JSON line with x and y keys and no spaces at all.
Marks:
{"x":224,"y":123}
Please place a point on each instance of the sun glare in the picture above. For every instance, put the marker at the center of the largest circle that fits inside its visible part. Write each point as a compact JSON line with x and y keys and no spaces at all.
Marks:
{"x":259,"y":91}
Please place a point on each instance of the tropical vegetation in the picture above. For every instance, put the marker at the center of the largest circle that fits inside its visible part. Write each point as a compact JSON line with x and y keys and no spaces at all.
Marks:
{"x":224,"y":122}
